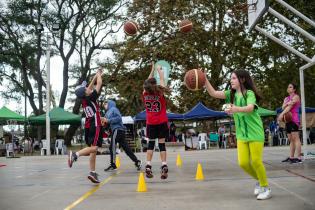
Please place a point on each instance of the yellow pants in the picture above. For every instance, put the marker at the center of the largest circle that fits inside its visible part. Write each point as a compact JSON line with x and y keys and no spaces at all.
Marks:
{"x":250,"y":160}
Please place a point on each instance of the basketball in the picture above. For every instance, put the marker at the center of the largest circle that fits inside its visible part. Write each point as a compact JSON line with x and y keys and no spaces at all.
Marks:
{"x":130,"y":28}
{"x":194,"y":79}
{"x":287,"y":117}
{"x":185,"y":26}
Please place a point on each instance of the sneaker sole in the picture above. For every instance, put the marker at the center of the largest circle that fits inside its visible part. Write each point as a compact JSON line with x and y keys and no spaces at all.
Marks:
{"x":92,"y":179}
{"x":261,"y":199}
{"x":110,"y":170}
{"x":164,"y":176}
{"x":149,"y":175}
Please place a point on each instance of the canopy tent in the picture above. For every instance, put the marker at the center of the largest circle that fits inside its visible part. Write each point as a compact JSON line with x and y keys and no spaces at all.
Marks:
{"x":200,"y":111}
{"x":307,"y":110}
{"x":7,"y":114}
{"x":58,"y":116}
{"x":127,"y":120}
{"x":265,"y":112}
{"x":171,"y":116}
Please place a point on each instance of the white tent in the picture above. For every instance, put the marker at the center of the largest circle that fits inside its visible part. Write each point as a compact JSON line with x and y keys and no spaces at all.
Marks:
{"x":127,"y":120}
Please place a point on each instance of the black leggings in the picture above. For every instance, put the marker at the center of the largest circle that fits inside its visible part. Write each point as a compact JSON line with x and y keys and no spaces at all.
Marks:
{"x":119,"y":136}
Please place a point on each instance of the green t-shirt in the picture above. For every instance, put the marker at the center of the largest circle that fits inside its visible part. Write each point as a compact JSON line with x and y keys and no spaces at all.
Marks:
{"x":249,"y":126}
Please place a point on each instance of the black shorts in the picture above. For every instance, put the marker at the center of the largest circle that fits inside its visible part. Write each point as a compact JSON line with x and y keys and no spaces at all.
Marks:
{"x":93,"y":136}
{"x":157,"y":131}
{"x":291,"y":127}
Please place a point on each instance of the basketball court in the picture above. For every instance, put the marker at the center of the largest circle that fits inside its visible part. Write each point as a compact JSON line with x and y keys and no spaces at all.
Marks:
{"x":47,"y":183}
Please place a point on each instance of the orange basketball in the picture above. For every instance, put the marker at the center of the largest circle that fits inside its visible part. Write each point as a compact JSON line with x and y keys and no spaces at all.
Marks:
{"x":185,"y":26}
{"x":130,"y":28}
{"x":287,"y":117}
{"x":194,"y":79}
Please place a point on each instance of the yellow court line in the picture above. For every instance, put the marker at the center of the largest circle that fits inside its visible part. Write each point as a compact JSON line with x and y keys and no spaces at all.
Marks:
{"x":90,"y":192}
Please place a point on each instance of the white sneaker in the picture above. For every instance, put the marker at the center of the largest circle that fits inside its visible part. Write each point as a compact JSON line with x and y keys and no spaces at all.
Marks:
{"x":264,"y":194}
{"x":257,"y":189}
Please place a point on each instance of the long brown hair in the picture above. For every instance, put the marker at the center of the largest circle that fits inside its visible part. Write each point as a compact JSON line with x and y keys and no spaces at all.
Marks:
{"x":246,"y":82}
{"x":150,"y":86}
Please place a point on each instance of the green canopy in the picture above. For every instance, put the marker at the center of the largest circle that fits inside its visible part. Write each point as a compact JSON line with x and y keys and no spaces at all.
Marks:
{"x":7,"y":114}
{"x":58,"y":116}
{"x":265,"y":112}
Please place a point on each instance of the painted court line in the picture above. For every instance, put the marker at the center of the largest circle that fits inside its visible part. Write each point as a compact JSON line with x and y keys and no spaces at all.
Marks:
{"x":292,"y":193}
{"x":90,"y":192}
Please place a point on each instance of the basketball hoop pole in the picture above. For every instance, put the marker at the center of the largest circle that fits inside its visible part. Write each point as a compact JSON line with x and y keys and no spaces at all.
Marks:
{"x":48,"y":95}
{"x":301,"y":71}
{"x":309,"y":21}
{"x":288,"y":47}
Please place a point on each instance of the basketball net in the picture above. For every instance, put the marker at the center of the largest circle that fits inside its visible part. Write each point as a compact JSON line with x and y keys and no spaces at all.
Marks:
{"x":240,"y":8}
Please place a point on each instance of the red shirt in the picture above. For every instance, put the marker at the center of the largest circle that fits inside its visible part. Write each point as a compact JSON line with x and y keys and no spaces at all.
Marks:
{"x":91,"y":110}
{"x":155,"y":105}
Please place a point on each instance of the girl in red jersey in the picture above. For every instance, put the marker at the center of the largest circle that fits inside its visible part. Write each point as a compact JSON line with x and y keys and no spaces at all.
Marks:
{"x":156,"y":119}
{"x":89,"y":96}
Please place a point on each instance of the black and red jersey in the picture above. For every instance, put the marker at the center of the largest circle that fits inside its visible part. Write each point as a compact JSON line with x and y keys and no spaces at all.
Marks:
{"x":155,"y":105}
{"x":91,"y":110}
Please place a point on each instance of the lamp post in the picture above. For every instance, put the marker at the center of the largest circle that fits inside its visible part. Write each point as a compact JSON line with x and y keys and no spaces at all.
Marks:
{"x":55,"y":28}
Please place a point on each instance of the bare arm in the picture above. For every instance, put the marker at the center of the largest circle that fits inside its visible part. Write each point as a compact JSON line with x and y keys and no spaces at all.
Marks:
{"x":92,"y":82}
{"x":245,"y":109}
{"x":284,"y":104}
{"x":212,"y":92}
{"x":99,"y":80}
{"x":152,"y":71}
{"x":289,"y":106}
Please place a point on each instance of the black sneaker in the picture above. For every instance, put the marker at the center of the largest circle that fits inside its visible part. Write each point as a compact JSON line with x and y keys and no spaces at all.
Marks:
{"x":164,"y":171}
{"x":296,"y":160}
{"x":148,"y":171}
{"x":111,"y":167}
{"x":138,"y":165}
{"x":71,"y":158}
{"x":93,"y":176}
{"x":286,"y":160}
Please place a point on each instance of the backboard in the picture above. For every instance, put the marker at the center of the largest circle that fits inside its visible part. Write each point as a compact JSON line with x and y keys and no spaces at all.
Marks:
{"x":166,"y":67}
{"x":256,"y":10}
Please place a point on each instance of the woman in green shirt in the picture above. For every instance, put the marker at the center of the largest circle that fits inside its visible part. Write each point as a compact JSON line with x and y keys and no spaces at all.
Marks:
{"x":242,"y":98}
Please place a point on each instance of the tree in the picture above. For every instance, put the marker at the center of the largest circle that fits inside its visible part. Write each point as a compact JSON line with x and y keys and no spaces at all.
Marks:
{"x":85,"y":28}
{"x":218,"y":43}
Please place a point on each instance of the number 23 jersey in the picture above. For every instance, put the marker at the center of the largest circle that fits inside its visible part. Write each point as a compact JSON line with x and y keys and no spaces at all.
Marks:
{"x":155,"y":105}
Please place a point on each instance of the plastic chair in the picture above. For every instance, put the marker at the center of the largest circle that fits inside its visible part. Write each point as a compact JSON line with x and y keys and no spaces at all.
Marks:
{"x":214,"y":139}
{"x":202,"y":141}
{"x":9,"y":149}
{"x":59,"y":147}
{"x":44,"y":147}
{"x":282,"y":136}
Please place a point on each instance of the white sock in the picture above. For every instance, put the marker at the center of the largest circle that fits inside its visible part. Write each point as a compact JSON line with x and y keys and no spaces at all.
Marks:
{"x":164,"y":163}
{"x":149,"y":163}
{"x":93,"y":171}
{"x":77,"y":154}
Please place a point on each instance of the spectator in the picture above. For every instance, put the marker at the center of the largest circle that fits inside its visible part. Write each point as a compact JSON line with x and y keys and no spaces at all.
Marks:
{"x":292,"y":104}
{"x":221,"y":132}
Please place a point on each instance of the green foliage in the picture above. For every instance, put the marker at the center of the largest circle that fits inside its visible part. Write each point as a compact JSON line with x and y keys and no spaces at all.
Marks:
{"x":218,"y":44}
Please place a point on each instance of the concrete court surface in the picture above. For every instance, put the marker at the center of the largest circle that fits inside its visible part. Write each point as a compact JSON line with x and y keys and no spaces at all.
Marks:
{"x":47,"y":183}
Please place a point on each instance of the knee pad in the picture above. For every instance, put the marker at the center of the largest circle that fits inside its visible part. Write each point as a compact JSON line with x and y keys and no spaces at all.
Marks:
{"x":151,"y":145}
{"x":162,"y":147}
